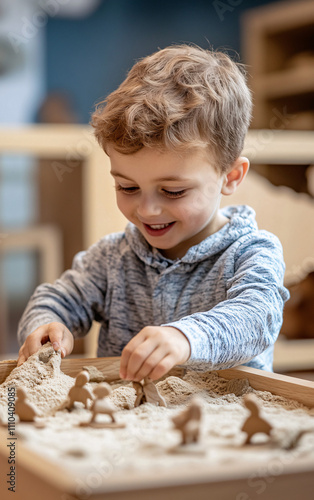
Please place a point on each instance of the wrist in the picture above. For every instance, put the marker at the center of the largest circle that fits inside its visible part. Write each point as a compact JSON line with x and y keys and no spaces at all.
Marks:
{"x":182,"y":344}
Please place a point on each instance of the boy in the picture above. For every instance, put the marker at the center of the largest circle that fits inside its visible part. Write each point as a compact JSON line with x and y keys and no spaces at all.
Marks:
{"x":185,"y":281}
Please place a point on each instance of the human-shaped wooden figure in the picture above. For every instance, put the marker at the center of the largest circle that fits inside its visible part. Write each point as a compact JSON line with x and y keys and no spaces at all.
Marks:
{"x":254,"y":423}
{"x":102,"y":405}
{"x":78,"y":392}
{"x":147,"y":392}
{"x":188,"y":422}
{"x":26,"y":411}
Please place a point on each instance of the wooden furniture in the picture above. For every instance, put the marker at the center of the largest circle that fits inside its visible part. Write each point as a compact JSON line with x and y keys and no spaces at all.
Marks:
{"x":38,"y":478}
{"x":294,"y":356}
{"x":61,"y":204}
{"x":45,"y":240}
{"x":278,"y":49}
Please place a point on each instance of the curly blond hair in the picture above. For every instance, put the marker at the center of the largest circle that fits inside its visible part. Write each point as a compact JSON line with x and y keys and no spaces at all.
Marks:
{"x":179,"y":98}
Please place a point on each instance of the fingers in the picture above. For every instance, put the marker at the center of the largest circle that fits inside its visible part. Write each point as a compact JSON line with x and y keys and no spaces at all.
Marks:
{"x":135,"y":352}
{"x":32,"y":344}
{"x":21,"y":358}
{"x":153,"y":352}
{"x":58,"y":334}
{"x":61,"y":338}
{"x":147,"y":354}
{"x":155,"y":366}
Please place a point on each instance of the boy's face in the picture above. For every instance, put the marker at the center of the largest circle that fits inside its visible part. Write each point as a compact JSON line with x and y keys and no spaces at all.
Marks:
{"x":173,"y":199}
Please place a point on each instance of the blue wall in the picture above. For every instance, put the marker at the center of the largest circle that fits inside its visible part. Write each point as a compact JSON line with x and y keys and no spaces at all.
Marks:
{"x":90,"y":57}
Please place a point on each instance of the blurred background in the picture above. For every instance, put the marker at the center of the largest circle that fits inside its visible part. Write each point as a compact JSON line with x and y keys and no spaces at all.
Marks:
{"x":59,"y":57}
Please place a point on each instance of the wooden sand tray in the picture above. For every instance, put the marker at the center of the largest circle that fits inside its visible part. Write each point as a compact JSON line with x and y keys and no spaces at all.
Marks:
{"x":37,"y":478}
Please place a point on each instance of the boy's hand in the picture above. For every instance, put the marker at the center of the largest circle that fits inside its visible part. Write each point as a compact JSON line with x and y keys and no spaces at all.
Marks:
{"x":58,"y":334}
{"x":153,"y":352}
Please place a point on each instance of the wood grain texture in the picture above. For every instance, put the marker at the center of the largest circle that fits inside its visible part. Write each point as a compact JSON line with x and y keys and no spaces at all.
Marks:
{"x":281,"y":385}
{"x":5,"y":368}
{"x":72,"y":366}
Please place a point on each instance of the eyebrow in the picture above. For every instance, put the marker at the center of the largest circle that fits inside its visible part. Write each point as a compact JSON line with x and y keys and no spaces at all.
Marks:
{"x":162,"y":179}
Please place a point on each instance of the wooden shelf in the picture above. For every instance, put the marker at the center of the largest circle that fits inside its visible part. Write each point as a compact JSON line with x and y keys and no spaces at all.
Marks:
{"x":290,"y":82}
{"x":293,"y":355}
{"x":278,"y":48}
{"x":281,"y":16}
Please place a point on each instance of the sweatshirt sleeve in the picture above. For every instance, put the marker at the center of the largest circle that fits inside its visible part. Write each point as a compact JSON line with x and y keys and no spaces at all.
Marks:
{"x":245,"y":324}
{"x":73,"y":300}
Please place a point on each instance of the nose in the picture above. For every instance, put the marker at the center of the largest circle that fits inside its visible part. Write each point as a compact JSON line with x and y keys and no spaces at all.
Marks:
{"x":148,"y":206}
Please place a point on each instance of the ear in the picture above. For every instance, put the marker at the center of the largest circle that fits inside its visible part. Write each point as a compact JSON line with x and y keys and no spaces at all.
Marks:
{"x":235,"y":176}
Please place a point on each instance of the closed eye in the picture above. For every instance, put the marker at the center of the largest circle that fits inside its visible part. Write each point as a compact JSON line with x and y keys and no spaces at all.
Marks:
{"x":134,"y":189}
{"x":174,"y":194}
{"x":127,"y":190}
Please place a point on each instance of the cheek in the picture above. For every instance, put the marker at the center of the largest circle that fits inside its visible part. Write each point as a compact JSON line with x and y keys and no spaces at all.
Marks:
{"x":190,"y":210}
{"x":201,"y":201}
{"x":210,"y":193}
{"x":207,"y":199}
{"x":199,"y":206}
{"x":124,"y":205}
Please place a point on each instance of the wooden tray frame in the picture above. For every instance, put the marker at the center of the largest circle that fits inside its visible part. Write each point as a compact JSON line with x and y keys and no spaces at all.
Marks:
{"x":38,"y":479}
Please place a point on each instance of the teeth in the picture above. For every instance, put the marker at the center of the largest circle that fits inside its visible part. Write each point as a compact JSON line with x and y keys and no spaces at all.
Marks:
{"x":159,"y":226}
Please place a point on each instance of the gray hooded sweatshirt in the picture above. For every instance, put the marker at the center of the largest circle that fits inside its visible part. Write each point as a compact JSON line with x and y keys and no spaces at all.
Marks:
{"x":226,"y":294}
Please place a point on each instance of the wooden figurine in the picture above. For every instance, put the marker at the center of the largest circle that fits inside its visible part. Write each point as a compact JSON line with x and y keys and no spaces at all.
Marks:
{"x":78,"y":392}
{"x":140,"y":396}
{"x":24,"y":409}
{"x":188,"y":422}
{"x":101,"y":405}
{"x":254,"y":423}
{"x":147,"y":392}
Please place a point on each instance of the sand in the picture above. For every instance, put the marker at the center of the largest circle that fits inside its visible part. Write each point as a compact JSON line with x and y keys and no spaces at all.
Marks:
{"x":148,"y":443}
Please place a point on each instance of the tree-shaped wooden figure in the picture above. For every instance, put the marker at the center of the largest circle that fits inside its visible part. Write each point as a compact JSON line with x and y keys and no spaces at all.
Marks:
{"x":78,"y":392}
{"x":147,"y":392}
{"x":254,"y":424}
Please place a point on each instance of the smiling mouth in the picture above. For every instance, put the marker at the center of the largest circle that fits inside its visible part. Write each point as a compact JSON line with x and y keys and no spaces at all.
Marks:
{"x":158,"y":226}
{"x":158,"y":229}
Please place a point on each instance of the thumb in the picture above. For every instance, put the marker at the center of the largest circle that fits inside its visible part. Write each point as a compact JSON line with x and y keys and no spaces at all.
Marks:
{"x":67,"y":343}
{"x":61,"y":339}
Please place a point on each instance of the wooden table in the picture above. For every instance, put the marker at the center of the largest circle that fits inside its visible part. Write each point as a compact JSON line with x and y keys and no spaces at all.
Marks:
{"x":37,"y":479}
